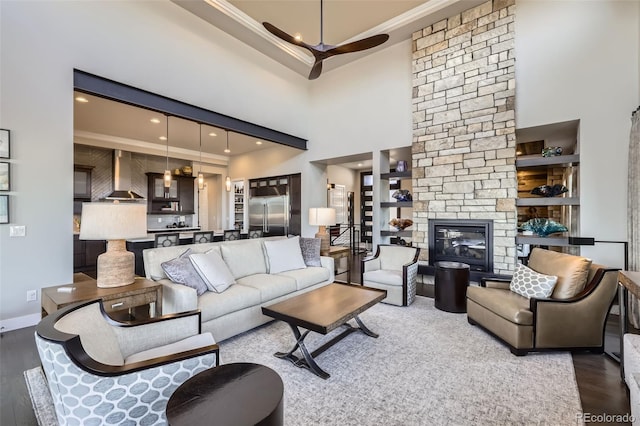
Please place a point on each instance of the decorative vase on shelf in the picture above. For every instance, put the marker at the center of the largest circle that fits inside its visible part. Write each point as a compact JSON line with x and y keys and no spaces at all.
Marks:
{"x":551,"y":151}
{"x":402,"y":195}
{"x":549,"y":190}
{"x":543,"y":227}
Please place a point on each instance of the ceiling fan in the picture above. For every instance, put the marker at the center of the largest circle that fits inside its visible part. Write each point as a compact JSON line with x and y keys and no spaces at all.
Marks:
{"x":323,"y":51}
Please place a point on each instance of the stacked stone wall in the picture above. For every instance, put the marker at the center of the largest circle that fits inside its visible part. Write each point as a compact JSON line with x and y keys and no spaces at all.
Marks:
{"x":464,"y":125}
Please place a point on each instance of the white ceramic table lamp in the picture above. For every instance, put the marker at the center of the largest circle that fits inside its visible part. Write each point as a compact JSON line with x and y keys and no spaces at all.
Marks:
{"x":322,"y":217}
{"x":114,"y":222}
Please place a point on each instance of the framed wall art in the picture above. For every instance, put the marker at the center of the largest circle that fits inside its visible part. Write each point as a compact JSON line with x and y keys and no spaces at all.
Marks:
{"x":5,"y":183}
{"x":4,"y":209}
{"x":5,"y":143}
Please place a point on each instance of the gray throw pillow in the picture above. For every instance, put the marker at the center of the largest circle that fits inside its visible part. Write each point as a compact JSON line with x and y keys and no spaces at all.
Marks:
{"x":529,"y":283}
{"x":310,"y":251}
{"x":181,"y":271}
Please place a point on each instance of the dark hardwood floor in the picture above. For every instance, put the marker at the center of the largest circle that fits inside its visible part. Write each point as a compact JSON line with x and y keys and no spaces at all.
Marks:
{"x":598,"y":376}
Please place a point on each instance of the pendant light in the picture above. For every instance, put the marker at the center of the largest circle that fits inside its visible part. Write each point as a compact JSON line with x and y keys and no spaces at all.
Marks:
{"x":200,"y":175}
{"x":227,"y":150}
{"x":167,"y":172}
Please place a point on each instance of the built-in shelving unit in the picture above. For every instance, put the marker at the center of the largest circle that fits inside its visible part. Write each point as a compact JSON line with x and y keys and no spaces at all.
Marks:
{"x":392,"y":181}
{"x":535,"y":170}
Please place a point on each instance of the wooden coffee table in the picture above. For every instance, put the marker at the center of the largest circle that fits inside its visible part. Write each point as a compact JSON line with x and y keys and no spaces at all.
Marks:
{"x":323,"y":310}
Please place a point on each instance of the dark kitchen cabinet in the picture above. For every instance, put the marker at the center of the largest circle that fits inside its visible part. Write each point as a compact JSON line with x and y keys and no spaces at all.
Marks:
{"x":178,"y":199}
{"x":85,"y":255}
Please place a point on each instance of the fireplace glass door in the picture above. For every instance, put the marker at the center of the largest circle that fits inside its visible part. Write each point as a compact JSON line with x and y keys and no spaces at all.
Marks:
{"x":466,"y":243}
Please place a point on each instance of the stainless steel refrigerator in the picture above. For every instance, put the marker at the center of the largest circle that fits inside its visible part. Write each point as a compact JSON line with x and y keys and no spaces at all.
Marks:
{"x":269,"y":210}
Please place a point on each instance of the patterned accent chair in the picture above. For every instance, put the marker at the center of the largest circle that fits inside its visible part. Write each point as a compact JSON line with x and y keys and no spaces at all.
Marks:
{"x":202,"y":237}
{"x":167,"y":240}
{"x":393,"y":268}
{"x":100,"y":371}
{"x":573,"y":318}
{"x":231,"y":235}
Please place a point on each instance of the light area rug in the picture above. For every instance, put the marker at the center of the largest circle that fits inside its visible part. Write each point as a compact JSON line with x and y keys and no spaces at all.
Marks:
{"x":428,"y":367}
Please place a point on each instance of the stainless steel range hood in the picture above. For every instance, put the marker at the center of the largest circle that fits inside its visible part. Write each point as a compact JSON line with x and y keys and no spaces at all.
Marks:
{"x":122,"y":178}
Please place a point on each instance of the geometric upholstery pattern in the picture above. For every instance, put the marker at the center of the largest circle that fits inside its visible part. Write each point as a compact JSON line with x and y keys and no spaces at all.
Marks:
{"x":137,"y":398}
{"x":529,"y":283}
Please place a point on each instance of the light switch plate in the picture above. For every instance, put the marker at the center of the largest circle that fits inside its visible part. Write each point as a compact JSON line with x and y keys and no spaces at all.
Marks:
{"x":17,"y":231}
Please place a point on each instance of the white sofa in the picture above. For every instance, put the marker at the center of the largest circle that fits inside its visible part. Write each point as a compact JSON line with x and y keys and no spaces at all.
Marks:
{"x":238,"y":308}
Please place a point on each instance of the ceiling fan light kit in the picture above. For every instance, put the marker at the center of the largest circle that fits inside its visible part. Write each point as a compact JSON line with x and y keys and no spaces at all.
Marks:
{"x":323,"y":51}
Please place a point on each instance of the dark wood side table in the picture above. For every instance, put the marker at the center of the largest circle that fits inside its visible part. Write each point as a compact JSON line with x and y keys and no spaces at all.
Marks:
{"x":337,"y":253}
{"x":141,"y":292}
{"x":230,"y":394}
{"x":450,"y":286}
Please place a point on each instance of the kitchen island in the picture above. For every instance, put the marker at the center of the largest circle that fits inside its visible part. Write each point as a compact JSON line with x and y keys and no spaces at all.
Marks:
{"x":137,"y":245}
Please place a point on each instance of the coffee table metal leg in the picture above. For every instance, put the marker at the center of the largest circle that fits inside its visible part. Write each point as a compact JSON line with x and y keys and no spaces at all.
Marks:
{"x":307,"y":362}
{"x":364,"y":328}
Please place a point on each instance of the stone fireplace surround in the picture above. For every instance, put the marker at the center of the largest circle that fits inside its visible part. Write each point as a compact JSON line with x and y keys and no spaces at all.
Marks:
{"x":463,"y":150}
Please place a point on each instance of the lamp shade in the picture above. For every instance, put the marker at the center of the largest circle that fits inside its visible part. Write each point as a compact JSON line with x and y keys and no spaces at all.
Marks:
{"x":113,"y":221}
{"x":322,"y":216}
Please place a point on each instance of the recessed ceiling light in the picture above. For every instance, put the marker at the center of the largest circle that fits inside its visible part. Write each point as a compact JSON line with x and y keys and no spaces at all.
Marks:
{"x":82,"y":99}
{"x":155,"y":120}
{"x":359,"y":164}
{"x":258,"y":142}
{"x":163,"y":138}
{"x":213,"y":134}
{"x":298,"y":36}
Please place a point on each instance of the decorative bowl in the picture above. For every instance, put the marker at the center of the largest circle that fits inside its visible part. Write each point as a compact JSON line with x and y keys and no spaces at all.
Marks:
{"x":543,"y":227}
{"x":400,"y":224}
{"x":549,"y":190}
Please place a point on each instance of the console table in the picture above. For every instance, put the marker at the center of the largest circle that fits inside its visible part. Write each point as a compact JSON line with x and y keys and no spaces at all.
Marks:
{"x":141,"y":292}
{"x":337,"y":253}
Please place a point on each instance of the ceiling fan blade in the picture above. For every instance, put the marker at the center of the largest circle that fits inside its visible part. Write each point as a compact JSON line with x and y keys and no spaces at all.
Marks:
{"x":316,"y":70}
{"x":356,"y":46}
{"x":284,"y":36}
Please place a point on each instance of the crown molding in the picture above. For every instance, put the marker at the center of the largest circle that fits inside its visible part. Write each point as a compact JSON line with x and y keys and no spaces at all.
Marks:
{"x":257,"y":28}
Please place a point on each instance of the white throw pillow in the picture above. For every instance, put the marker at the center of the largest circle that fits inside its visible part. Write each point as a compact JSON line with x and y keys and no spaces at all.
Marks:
{"x":213,"y":271}
{"x":284,"y":255}
{"x":529,"y":283}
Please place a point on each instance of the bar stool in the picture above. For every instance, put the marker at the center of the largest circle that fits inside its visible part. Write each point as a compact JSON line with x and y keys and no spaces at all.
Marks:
{"x":167,"y":240}
{"x":202,"y":237}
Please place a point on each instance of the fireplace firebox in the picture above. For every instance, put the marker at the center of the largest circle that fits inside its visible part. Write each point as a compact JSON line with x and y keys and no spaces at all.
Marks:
{"x":468,"y":241}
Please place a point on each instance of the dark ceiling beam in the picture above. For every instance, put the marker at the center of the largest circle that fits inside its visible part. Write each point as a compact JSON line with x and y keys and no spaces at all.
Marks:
{"x":100,"y":86}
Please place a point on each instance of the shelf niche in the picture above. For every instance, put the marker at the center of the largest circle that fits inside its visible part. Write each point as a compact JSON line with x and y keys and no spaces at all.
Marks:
{"x":534,"y":170}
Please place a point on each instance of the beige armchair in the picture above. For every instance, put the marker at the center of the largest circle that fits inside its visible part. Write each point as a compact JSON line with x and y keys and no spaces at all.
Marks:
{"x":573,"y":318}
{"x":100,"y":371}
{"x":393,"y":268}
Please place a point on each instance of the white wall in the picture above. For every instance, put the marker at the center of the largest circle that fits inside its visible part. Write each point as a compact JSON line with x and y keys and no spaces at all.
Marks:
{"x":156,"y":46}
{"x":579,"y":60}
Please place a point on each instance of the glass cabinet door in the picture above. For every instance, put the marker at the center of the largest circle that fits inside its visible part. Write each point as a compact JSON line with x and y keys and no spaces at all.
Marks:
{"x":161,"y":192}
